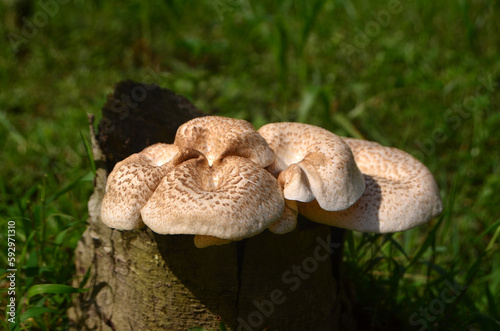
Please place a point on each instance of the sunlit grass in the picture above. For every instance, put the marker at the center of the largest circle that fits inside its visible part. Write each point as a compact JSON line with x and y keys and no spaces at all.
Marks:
{"x":270,"y":61}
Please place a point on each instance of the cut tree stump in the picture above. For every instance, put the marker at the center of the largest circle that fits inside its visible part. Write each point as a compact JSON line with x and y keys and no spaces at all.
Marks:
{"x":140,"y":280}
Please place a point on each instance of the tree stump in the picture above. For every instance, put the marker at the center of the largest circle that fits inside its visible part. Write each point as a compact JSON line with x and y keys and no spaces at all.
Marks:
{"x":140,"y":280}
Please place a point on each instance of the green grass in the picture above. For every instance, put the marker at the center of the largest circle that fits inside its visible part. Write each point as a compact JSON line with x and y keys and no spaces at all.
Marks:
{"x":269,"y":61}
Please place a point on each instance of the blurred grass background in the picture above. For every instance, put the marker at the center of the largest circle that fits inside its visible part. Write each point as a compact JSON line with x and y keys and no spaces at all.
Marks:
{"x":419,"y":76}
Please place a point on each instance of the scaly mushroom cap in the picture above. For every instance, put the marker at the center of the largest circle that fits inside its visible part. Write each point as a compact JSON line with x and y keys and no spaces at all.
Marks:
{"x":132,"y":182}
{"x":232,"y":199}
{"x":400,"y":194}
{"x":217,"y":137}
{"x":313,"y":163}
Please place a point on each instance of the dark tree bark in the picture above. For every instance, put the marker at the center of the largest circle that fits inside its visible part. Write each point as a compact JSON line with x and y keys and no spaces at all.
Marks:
{"x":140,"y":280}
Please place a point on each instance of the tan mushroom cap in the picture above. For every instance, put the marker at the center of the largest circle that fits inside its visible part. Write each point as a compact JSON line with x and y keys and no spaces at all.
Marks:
{"x":217,"y":137}
{"x":232,"y":199}
{"x":132,"y":182}
{"x":401,"y":192}
{"x":313,"y":163}
{"x":288,"y":220}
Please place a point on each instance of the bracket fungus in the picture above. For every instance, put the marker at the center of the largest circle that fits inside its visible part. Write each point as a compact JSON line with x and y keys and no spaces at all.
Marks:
{"x":217,"y":137}
{"x":131,"y":184}
{"x":232,"y":199}
{"x":212,"y":185}
{"x":400,"y":193}
{"x":223,"y":181}
{"x":314,"y":164}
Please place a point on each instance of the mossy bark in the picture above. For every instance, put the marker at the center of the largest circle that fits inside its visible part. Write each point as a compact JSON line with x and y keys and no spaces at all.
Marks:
{"x":140,"y":280}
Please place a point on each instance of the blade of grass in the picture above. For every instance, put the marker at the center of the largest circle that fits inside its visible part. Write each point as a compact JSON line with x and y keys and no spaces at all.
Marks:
{"x":396,"y":244}
{"x":429,"y":241}
{"x":308,"y":99}
{"x":70,"y":186}
{"x":491,"y":244}
{"x":88,"y":151}
{"x":347,"y":125}
{"x":310,"y":19}
{"x":53,"y":288}
{"x":351,"y":244}
{"x":492,"y":301}
{"x":34,"y":311}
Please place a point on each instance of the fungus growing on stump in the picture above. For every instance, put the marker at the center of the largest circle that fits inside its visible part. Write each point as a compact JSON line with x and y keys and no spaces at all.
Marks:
{"x":313,"y":164}
{"x":141,"y":280}
{"x":217,"y":137}
{"x":321,"y":172}
{"x":223,"y":181}
{"x":233,"y":199}
{"x":400,"y":193}
{"x":131,"y":184}
{"x":210,"y":183}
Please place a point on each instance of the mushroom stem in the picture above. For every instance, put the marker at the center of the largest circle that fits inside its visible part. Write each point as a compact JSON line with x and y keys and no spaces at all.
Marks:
{"x":201,"y":241}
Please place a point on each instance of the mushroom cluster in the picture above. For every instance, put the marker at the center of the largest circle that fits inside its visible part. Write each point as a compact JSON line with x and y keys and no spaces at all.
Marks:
{"x":223,"y":181}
